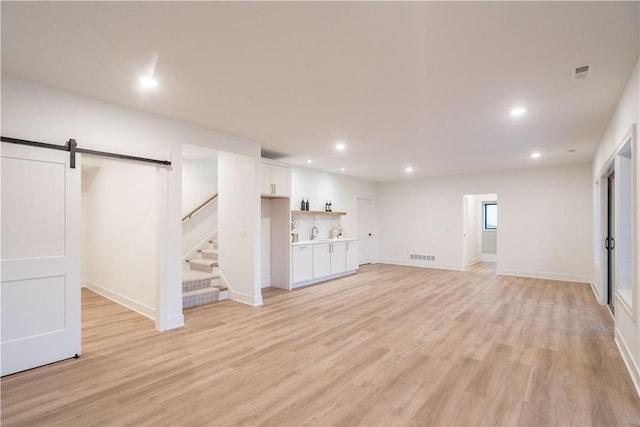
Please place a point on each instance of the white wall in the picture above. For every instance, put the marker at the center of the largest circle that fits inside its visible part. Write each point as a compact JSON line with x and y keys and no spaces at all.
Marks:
{"x":471,"y":230}
{"x":199,"y":181}
{"x":120,"y":230}
{"x":239,"y":226}
{"x":199,"y":229}
{"x":627,"y":113}
{"x":545,"y":220}
{"x":319,"y":187}
{"x":39,"y":113}
{"x":265,"y":242}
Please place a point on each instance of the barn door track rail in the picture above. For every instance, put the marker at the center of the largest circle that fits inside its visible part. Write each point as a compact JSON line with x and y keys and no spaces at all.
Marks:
{"x":72,"y":147}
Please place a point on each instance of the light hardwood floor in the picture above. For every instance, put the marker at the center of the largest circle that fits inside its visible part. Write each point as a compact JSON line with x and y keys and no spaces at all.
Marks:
{"x":389,"y":346}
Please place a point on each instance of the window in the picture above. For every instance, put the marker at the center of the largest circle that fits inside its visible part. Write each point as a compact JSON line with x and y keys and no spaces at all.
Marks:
{"x":490,"y":216}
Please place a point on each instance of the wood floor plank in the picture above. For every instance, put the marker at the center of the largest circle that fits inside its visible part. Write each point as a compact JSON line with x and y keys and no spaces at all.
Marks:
{"x":391,"y":345}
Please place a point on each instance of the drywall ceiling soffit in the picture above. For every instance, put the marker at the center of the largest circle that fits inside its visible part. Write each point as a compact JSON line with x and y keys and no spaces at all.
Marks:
{"x":428,"y":84}
{"x":198,"y":152}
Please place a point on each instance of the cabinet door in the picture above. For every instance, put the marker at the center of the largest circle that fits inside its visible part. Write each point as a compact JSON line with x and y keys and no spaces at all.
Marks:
{"x":321,"y":260}
{"x":280,"y":178}
{"x":352,"y":256}
{"x":338,"y":258}
{"x":301,"y":264}
{"x":265,"y":180}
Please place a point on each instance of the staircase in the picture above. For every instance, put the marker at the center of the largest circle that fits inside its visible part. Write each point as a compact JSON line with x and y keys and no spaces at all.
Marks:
{"x":201,"y":282}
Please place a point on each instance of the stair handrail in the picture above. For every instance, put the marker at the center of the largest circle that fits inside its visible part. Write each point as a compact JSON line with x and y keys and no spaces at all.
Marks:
{"x":202,"y":205}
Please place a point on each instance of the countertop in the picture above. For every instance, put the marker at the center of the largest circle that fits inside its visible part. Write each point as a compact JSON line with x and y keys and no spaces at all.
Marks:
{"x":319,"y":241}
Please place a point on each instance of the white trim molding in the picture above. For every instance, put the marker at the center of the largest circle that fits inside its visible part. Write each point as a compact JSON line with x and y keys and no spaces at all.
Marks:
{"x":131,"y":304}
{"x":423,"y":264}
{"x":545,"y":275}
{"x":632,"y":367}
{"x":173,"y":322}
{"x":251,"y":300}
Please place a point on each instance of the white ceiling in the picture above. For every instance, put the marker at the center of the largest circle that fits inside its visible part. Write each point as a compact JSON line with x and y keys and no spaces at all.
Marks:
{"x":423,"y":84}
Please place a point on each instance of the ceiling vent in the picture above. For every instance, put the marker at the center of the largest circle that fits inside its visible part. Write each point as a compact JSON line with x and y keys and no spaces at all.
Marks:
{"x":581,"y":72}
{"x":273,"y":155}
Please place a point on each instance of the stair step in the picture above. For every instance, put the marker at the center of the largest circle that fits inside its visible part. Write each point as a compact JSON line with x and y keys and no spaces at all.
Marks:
{"x":213,"y":244}
{"x":200,"y":297}
{"x":191,"y":282}
{"x":208,"y":253}
{"x":205,"y":265}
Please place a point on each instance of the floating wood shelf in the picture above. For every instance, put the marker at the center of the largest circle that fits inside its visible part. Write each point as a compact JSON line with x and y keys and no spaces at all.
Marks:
{"x":317,"y":213}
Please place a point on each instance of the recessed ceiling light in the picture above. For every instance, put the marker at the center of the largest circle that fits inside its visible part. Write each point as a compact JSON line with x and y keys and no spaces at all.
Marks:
{"x":309,"y":161}
{"x":409,"y":169}
{"x":535,"y":155}
{"x":517,"y":112}
{"x":340,"y":146}
{"x":148,"y":82}
{"x":342,"y":169}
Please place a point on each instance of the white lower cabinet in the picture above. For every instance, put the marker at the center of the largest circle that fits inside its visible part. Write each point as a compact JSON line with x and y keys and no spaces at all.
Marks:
{"x":338,"y":261}
{"x":321,"y":260}
{"x":314,"y":262}
{"x":352,"y":257}
{"x":301,"y":263}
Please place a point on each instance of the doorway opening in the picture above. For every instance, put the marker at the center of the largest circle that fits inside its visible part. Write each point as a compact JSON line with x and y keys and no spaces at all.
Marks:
{"x":202,"y":281}
{"x":610,"y":241}
{"x":119,"y":232}
{"x":480,"y":229}
{"x":616,"y":246}
{"x":365,"y":230}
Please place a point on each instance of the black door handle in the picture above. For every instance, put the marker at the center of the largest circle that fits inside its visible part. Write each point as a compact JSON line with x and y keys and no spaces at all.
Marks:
{"x":606,"y":243}
{"x":369,"y":234}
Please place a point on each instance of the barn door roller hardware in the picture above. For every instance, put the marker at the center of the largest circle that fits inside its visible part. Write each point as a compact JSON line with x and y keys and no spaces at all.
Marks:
{"x":72,"y":147}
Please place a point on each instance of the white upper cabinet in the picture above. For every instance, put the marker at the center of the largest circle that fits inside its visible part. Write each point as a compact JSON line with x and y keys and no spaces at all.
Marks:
{"x":275,"y":181}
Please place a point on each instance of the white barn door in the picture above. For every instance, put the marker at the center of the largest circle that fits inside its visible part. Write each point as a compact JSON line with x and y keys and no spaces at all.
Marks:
{"x":40,"y":276}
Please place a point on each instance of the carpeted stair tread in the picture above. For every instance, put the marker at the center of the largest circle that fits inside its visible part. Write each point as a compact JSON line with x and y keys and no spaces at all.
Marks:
{"x":198,"y":297}
{"x":204,"y":265}
{"x":201,"y":291}
{"x":188,"y":275}
{"x":203,"y":262}
{"x":209,"y":253}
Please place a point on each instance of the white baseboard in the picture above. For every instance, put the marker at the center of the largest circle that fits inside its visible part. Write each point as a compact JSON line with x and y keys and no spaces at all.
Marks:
{"x":595,"y":291}
{"x":472,"y":262}
{"x":544,"y":275}
{"x":245,"y":298}
{"x":131,"y":304}
{"x":265,"y":283}
{"x":174,"y":322}
{"x":634,"y":370}
{"x":321,"y":279}
{"x":423,"y":264}
{"x":488,"y":258}
{"x":239,"y":296}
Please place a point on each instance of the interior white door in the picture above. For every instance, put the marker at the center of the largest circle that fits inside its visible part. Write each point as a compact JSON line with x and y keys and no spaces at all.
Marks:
{"x":40,"y":281}
{"x":365,"y":231}
{"x":465,"y":231}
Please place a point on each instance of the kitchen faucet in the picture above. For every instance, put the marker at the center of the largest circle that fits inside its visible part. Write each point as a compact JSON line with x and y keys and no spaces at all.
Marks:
{"x":314,"y":233}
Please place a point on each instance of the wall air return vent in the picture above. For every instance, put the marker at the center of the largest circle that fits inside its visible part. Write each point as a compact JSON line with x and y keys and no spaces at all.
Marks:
{"x":581,"y":72}
{"x":422,"y":257}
